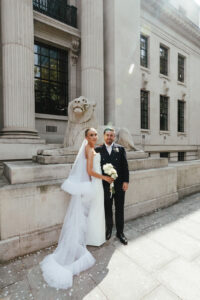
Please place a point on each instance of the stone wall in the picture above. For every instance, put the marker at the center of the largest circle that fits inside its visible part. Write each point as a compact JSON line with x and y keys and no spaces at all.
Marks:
{"x":31,"y":214}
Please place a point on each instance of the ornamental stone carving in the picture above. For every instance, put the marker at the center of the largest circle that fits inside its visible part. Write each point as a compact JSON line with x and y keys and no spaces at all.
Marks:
{"x":75,"y":48}
{"x":145,"y":80}
{"x":82,"y":115}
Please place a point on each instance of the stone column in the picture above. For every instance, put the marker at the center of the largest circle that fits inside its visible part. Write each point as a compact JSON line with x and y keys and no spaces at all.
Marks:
{"x":122,"y":64}
{"x":92,"y":73}
{"x":17,"y":38}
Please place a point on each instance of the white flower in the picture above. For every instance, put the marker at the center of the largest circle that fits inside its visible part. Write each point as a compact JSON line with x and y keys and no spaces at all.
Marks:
{"x":110,"y":170}
{"x":107,"y":167}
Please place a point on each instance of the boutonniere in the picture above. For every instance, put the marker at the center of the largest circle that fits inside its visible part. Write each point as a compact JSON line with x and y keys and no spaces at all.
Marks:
{"x":116,"y":149}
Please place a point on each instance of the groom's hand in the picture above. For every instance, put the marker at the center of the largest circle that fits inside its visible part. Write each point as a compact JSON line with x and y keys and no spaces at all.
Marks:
{"x":125,"y":186}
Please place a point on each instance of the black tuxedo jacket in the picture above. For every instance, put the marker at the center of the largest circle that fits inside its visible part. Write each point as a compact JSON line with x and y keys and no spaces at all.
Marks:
{"x":118,"y":159}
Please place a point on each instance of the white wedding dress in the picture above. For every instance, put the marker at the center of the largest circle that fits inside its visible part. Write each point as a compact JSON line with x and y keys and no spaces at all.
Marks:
{"x":95,"y":235}
{"x":84,"y":224}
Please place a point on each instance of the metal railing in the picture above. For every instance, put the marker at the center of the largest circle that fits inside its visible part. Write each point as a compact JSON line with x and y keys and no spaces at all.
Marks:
{"x":57,"y":9}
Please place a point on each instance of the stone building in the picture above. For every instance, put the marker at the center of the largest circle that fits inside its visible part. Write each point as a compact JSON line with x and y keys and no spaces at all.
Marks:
{"x":138,"y":60}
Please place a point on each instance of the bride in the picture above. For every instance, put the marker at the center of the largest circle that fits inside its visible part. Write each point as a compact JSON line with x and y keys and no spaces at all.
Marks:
{"x":84,"y":223}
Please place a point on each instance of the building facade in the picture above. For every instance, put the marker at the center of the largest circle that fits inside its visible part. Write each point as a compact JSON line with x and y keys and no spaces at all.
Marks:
{"x":169,"y":71}
{"x":139,"y":61}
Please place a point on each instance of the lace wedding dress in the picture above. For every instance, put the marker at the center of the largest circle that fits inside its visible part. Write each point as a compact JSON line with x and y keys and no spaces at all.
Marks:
{"x":84,"y":224}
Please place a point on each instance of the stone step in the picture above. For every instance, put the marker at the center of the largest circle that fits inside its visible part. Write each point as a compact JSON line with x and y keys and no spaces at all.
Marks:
{"x":145,"y":164}
{"x":28,"y":171}
{"x":136,"y":154}
{"x":69,"y":158}
{"x":49,"y":160}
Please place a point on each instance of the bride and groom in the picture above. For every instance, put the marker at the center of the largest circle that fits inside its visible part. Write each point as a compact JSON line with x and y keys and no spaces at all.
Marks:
{"x":90,"y":208}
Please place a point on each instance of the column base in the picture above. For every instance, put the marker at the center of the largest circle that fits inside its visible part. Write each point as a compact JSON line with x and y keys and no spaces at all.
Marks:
{"x":21,"y":149}
{"x":18,"y":133}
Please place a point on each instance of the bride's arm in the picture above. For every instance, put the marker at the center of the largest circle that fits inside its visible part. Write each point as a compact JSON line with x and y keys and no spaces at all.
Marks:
{"x":90,"y":158}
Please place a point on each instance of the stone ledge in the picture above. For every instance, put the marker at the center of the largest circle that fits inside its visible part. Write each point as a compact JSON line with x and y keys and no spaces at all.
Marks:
{"x":50,"y":160}
{"x":136,"y":155}
{"x":170,"y":148}
{"x":27,"y":243}
{"x":69,"y":158}
{"x":30,"y":213}
{"x":21,"y":141}
{"x":67,"y":29}
{"x":21,"y":245}
{"x":27,"y":171}
{"x":189,"y":190}
{"x":21,"y":172}
{"x":140,"y":209}
{"x":145,"y":164}
{"x":22,"y":149}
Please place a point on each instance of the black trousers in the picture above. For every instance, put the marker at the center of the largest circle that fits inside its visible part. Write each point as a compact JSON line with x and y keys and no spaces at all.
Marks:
{"x":118,"y":198}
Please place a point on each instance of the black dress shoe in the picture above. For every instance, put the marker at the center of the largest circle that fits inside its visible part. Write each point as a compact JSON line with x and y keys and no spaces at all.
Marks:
{"x":108,"y":234}
{"x":122,"y":238}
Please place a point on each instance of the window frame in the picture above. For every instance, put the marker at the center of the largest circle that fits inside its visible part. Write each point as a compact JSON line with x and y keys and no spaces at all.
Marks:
{"x":181,"y":156}
{"x":146,"y":114}
{"x":146,"y":51}
{"x":164,"y":155}
{"x":182,"y":68}
{"x":181,"y":127}
{"x":166,"y":60}
{"x":52,"y":62}
{"x":167,"y":114}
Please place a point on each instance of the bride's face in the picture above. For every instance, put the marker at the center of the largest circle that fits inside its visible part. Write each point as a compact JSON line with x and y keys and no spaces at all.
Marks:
{"x":92,"y":136}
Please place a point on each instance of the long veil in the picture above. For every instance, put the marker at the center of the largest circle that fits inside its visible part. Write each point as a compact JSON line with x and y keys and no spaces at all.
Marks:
{"x":71,"y":255}
{"x":78,"y":181}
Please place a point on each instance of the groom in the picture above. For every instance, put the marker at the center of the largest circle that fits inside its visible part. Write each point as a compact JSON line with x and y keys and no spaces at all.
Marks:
{"x":116,"y":155}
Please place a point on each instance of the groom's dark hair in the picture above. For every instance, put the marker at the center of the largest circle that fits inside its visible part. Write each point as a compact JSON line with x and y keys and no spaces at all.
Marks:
{"x":108,"y":129}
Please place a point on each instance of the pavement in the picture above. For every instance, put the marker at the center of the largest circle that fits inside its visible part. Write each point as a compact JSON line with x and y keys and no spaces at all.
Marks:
{"x":161,"y":262}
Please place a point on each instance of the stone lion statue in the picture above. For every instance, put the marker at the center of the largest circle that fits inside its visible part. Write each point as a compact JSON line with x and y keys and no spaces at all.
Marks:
{"x":81,"y":114}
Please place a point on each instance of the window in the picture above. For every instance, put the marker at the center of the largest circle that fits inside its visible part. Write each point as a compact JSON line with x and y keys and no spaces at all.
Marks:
{"x":41,"y":4}
{"x":143,"y":51}
{"x":181,"y":108}
{"x":181,"y":65}
{"x":163,"y":60}
{"x":181,"y":156}
{"x":57,"y":9}
{"x":144,"y":99}
{"x":164,"y":154}
{"x":163,"y":113}
{"x":51,"y":78}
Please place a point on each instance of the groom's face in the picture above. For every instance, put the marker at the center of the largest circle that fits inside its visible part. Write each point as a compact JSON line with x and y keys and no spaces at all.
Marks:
{"x":109,"y":137}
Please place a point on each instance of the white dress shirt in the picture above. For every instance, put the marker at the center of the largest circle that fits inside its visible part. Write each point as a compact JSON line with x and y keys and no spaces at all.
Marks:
{"x":109,"y":148}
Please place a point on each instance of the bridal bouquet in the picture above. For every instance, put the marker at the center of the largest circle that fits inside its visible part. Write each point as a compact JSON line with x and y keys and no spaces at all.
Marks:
{"x":110,"y":171}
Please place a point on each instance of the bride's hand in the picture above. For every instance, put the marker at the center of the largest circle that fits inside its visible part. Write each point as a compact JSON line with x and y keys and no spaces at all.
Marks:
{"x":108,"y":179}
